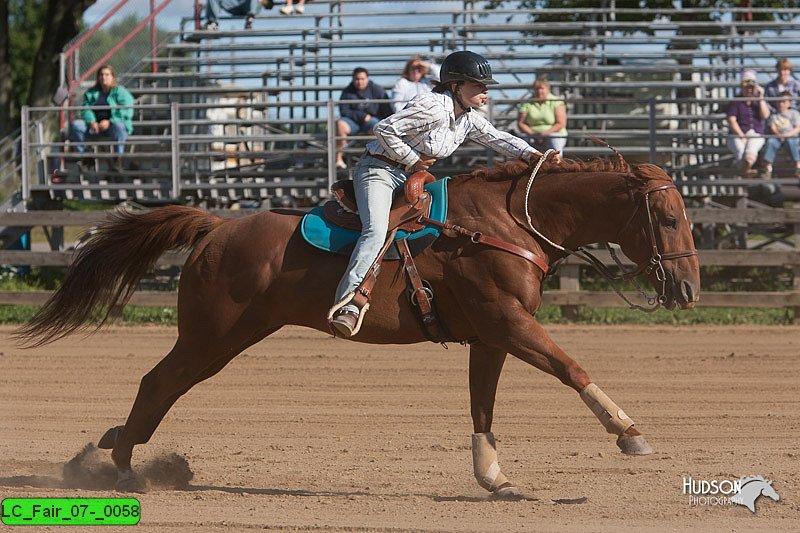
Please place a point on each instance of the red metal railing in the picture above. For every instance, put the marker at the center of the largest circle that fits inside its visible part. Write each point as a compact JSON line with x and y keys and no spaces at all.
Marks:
{"x":71,"y":55}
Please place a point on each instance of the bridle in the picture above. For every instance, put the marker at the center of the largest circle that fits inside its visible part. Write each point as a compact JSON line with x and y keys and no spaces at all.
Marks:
{"x":656,"y":258}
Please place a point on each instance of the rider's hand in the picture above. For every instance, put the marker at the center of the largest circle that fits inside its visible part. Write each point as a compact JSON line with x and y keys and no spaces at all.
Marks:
{"x":423,"y":163}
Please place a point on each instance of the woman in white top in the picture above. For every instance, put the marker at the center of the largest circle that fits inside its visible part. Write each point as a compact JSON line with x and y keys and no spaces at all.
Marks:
{"x":430,"y":127}
{"x":418,"y":78}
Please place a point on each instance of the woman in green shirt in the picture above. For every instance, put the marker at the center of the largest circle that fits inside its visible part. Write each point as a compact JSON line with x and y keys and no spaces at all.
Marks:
{"x":544,"y":119}
{"x":108,"y":113}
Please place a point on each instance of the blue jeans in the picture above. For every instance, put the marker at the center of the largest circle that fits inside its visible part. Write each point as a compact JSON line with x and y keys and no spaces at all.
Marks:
{"x":237,"y":8}
{"x":375,"y":183}
{"x":79,"y":132}
{"x":773,"y":145}
{"x":356,"y":129}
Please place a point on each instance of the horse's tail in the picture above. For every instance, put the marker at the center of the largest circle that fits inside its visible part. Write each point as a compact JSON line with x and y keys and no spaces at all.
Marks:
{"x":109,"y":265}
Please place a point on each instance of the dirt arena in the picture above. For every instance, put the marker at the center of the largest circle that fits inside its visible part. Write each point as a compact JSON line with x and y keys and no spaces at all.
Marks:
{"x":306,"y":432}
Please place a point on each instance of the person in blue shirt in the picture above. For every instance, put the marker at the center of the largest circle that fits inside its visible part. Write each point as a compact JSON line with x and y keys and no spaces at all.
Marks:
{"x":785,"y":82}
{"x":358,"y":116}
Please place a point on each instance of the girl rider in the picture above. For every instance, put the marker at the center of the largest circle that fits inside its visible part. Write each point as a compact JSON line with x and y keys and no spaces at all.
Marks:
{"x":430,"y":127}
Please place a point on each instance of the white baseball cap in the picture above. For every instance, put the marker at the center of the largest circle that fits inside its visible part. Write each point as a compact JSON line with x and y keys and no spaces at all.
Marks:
{"x":748,"y":74}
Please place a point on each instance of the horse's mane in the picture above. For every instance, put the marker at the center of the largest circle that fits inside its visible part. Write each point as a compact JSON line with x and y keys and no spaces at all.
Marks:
{"x":748,"y":479}
{"x":635,"y":177}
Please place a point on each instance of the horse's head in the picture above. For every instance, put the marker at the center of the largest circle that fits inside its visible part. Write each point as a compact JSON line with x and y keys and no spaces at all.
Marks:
{"x":658,"y":237}
{"x":769,"y":491}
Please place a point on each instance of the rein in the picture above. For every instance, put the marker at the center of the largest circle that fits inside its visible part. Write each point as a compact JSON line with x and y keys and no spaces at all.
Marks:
{"x":656,"y":259}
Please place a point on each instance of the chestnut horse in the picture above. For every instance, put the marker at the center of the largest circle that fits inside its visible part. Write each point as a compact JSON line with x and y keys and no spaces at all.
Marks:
{"x":247,"y":277}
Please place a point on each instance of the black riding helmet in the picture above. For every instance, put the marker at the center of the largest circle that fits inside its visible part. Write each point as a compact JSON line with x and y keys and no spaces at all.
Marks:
{"x":466,"y":66}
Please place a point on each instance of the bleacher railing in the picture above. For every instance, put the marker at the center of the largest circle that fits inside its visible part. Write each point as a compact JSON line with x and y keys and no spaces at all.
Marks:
{"x":78,"y":62}
{"x":306,"y":61}
{"x":258,"y":154}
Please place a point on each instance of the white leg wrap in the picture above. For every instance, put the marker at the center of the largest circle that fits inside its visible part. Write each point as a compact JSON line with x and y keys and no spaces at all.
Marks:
{"x":607,"y":412}
{"x":484,"y":462}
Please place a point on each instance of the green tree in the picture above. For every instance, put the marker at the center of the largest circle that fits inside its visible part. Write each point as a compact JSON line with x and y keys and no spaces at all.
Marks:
{"x":25,"y":34}
{"x":6,"y":84}
{"x":687,"y":37}
{"x":575,"y":11}
{"x":32,"y":35}
{"x":126,"y":57}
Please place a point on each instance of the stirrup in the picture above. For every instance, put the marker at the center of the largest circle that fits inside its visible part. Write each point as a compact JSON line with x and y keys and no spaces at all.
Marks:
{"x":344,"y":301}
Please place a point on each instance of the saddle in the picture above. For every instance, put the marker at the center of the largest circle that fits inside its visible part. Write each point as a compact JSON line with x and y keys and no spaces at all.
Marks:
{"x":405,"y":212}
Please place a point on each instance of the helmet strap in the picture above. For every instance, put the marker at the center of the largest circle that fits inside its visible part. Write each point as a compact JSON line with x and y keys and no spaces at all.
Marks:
{"x":458,"y":99}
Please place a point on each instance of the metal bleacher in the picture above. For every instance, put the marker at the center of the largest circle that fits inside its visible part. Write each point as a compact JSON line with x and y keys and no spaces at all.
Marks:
{"x":237,"y":117}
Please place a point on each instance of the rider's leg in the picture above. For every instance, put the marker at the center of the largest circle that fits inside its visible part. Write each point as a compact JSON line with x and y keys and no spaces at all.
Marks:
{"x":374,"y":183}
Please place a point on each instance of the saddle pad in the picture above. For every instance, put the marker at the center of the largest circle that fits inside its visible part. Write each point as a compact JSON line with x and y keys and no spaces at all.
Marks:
{"x":322,"y":234}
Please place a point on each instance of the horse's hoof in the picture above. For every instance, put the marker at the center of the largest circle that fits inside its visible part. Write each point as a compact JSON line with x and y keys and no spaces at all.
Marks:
{"x":634,"y":445}
{"x":508,"y":493}
{"x":109,"y":439}
{"x":127,"y":481}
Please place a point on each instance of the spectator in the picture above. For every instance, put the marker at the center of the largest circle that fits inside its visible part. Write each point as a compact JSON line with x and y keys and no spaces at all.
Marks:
{"x":237,"y":8}
{"x":358,"y":116}
{"x":785,"y":124}
{"x":746,"y":121}
{"x":544,"y":119}
{"x":110,"y":114}
{"x":289,"y":7}
{"x":784,"y":82}
{"x":418,"y":78}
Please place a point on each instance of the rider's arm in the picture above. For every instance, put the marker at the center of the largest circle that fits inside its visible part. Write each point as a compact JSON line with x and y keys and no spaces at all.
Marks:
{"x":483,"y":132}
{"x":413,"y":121}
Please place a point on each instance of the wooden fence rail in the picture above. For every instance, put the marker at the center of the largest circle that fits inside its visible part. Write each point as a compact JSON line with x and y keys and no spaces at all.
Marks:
{"x":568,"y":296}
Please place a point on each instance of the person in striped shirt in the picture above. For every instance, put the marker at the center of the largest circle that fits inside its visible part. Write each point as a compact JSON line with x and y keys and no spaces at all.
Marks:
{"x":430,"y":127}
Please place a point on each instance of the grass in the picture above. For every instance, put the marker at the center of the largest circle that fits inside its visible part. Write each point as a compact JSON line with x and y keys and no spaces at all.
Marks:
{"x":44,"y":278}
{"x":708,"y":315}
{"x":131,"y":315}
{"x":168,"y":316}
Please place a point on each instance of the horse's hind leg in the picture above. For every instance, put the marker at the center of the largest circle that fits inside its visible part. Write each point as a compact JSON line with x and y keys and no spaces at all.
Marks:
{"x":180,"y":370}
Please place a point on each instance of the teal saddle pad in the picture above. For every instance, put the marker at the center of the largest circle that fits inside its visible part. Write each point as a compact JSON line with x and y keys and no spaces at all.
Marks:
{"x":322,"y":234}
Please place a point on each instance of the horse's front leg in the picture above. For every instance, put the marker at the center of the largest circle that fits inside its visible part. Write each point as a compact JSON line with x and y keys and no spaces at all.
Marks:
{"x":485,"y":365}
{"x":525,"y":338}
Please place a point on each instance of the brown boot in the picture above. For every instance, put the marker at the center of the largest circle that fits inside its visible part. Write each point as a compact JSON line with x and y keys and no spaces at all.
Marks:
{"x":344,"y":323}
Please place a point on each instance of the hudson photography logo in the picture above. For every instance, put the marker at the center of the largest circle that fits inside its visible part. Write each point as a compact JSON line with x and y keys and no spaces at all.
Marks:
{"x":743,"y":491}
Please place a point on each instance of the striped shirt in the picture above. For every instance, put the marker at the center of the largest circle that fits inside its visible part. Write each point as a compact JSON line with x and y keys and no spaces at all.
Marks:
{"x":428,"y":126}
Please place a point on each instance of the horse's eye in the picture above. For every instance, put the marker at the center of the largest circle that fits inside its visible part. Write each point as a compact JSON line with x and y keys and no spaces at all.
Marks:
{"x":671,"y":222}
